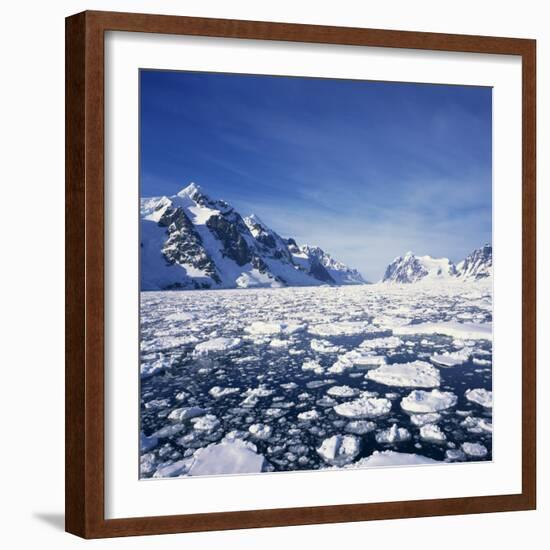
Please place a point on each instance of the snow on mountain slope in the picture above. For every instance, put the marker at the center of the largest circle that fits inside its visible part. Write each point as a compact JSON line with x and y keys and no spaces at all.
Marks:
{"x":338,"y":272}
{"x":190,"y":241}
{"x":411,"y":269}
{"x":477,"y":265}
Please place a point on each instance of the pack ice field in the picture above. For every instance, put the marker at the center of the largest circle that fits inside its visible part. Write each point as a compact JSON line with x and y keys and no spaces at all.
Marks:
{"x":306,"y":378}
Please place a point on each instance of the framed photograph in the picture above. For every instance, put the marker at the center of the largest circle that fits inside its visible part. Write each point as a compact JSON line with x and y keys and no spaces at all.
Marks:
{"x":300,"y":274}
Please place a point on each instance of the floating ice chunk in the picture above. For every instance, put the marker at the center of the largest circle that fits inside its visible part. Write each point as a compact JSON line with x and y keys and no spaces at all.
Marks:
{"x":180,"y":316}
{"x":417,"y":374}
{"x":393,"y":434}
{"x":185,"y":413}
{"x":278,"y":343}
{"x":477,"y":425}
{"x":313,"y":366}
{"x":159,"y":365}
{"x":228,"y":457}
{"x":260,"y":431}
{"x":364,"y":407}
{"x":358,"y":357}
{"x":454,"y":329}
{"x":173,"y":469}
{"x":342,"y":391}
{"x":360,"y":427}
{"x":147,"y":443}
{"x":168,"y":431}
{"x":157,"y":404}
{"x":481,"y":362}
{"x":207,"y":423}
{"x":420,"y":401}
{"x":451,"y":358}
{"x":289,"y":386}
{"x":324,"y":346}
{"x":387,"y":342}
{"x":275,"y":412}
{"x":147,"y":464}
{"x":455,"y":455}
{"x":423,"y":419}
{"x":348,"y":328}
{"x":339,"y":450}
{"x":391,"y":458}
{"x":216,"y":345}
{"x":180,"y":396}
{"x":480,"y":396}
{"x":216,"y":392}
{"x":432,"y":432}
{"x":308,"y":416}
{"x":476,"y":450}
{"x":314,"y":384}
{"x":326,"y":401}
{"x":274,"y":327}
{"x":253,"y":395}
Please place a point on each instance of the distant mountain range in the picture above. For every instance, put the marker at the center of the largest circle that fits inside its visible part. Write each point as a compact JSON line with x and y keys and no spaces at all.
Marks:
{"x":191,"y":241}
{"x":412,"y":269}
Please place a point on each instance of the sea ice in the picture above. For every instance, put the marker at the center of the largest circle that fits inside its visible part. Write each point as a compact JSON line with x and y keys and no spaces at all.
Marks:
{"x":207,"y":423}
{"x":342,"y":391}
{"x":313,"y":366}
{"x":423,"y":419}
{"x":391,"y":458}
{"x":417,"y":374}
{"x":339,"y":450}
{"x":393,"y":434}
{"x":260,"y":431}
{"x":476,"y":450}
{"x":477,"y":425}
{"x":216,"y":392}
{"x":185,"y":413}
{"x":307,"y":416}
{"x":480,"y":396}
{"x":420,"y":401}
{"x":433,"y":433}
{"x":364,"y":407}
{"x":451,"y":358}
{"x":216,"y":345}
{"x":228,"y":457}
{"x":360,"y":427}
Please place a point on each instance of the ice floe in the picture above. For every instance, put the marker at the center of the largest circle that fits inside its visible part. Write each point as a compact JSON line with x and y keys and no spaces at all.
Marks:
{"x":451,"y":358}
{"x":417,"y":374}
{"x":391,"y":458}
{"x":475,"y":450}
{"x":216,"y":391}
{"x":433,"y":433}
{"x":426,"y":418}
{"x":393,"y":434}
{"x":480,"y":396}
{"x":260,"y":431}
{"x":342,"y":391}
{"x":364,"y":407}
{"x":217,"y":345}
{"x":420,"y":401}
{"x":339,"y":450}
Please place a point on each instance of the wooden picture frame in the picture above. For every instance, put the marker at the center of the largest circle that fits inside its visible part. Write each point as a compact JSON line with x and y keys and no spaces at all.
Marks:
{"x":85,"y":387}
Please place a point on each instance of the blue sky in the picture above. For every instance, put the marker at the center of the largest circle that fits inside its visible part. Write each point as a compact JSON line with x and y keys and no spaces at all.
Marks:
{"x":366,"y":170}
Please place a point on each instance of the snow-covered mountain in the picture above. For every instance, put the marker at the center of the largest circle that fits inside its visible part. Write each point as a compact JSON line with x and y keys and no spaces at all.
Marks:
{"x":190,"y":241}
{"x":412,"y":269}
{"x":477,"y":265}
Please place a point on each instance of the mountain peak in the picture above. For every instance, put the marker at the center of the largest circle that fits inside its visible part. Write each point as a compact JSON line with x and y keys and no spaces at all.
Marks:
{"x":192,"y":190}
{"x":253,"y":219}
